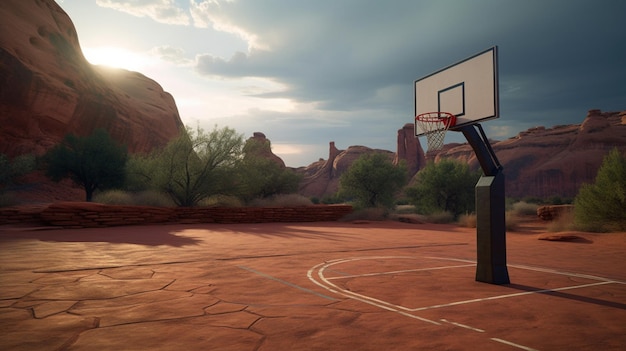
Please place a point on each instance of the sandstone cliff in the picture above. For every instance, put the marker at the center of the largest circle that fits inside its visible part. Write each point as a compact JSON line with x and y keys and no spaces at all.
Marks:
{"x":540,"y":162}
{"x":48,"y":89}
{"x":543,"y":162}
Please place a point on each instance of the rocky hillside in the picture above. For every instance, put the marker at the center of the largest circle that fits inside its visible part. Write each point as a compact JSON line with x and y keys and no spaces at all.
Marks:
{"x":544,"y":162}
{"x":48,"y":89}
{"x":540,"y":162}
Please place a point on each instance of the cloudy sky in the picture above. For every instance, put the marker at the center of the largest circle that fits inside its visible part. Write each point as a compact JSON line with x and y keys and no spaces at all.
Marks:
{"x":307,"y":72}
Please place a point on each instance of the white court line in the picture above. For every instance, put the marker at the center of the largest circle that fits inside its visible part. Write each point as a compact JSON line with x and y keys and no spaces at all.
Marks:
{"x":513,"y":344}
{"x":508,"y":296}
{"x":463,"y":326}
{"x":328,"y":285}
{"x":397,"y":272}
{"x":349,"y":294}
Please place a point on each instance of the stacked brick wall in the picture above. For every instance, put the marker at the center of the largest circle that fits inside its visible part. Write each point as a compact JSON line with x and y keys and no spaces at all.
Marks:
{"x":88,"y":215}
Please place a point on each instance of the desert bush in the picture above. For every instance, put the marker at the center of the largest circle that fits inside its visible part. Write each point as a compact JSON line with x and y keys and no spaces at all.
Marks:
{"x":524,"y":208}
{"x":467,"y":220}
{"x":599,"y":207}
{"x":440,"y":217}
{"x":447,"y":185}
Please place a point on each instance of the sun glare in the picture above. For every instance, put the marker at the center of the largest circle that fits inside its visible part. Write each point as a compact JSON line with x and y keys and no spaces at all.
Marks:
{"x":117,"y":57}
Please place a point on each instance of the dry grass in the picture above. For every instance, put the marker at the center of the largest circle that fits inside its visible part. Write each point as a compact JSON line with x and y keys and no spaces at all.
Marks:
{"x":144,"y":198}
{"x":442,"y":217}
{"x":523,"y":208}
{"x":467,"y":220}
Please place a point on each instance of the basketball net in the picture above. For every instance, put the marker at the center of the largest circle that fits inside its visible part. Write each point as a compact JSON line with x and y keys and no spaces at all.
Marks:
{"x":435,"y":125}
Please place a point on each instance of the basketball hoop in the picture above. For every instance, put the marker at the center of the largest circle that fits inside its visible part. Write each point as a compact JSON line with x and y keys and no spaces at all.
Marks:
{"x":435,"y":125}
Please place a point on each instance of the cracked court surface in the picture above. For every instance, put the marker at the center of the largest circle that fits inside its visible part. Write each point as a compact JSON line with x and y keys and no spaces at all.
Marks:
{"x":315,"y":286}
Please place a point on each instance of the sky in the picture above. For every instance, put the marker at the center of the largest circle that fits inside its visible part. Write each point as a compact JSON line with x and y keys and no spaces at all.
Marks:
{"x":307,"y":72}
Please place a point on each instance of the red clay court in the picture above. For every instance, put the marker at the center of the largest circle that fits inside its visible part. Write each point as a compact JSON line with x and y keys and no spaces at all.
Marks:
{"x":313,"y":286}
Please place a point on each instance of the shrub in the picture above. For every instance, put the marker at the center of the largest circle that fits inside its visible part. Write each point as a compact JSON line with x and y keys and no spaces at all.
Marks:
{"x":523,"y":208}
{"x":600,"y":206}
{"x":467,"y":220}
{"x":447,"y":185}
{"x":440,"y":217}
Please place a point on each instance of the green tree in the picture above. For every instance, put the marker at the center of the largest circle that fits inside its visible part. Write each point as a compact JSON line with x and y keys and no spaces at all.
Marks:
{"x":259,"y":176}
{"x":93,"y":162}
{"x":193,"y":166}
{"x":447,"y":185}
{"x":373,"y":180}
{"x":601,"y":206}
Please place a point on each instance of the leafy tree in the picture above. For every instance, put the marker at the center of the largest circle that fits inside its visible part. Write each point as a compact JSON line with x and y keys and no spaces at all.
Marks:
{"x":601,"y":206}
{"x":373,"y":180}
{"x":447,"y":186}
{"x":261,"y":177}
{"x":11,"y":170}
{"x":93,"y":162}
{"x":192,"y":166}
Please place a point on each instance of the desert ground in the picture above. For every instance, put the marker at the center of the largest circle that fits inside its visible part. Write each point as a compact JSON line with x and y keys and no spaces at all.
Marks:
{"x":307,"y":286}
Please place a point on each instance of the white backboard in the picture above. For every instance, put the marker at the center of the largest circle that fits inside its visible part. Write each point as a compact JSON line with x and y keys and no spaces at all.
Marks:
{"x":468,"y":89}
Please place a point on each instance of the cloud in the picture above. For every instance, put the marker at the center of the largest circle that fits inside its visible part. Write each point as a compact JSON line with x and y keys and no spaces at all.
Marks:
{"x":307,"y":72}
{"x":171,"y":54}
{"x":163,"y":11}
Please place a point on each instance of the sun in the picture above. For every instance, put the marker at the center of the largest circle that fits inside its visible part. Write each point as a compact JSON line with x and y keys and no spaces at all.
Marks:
{"x":117,"y":57}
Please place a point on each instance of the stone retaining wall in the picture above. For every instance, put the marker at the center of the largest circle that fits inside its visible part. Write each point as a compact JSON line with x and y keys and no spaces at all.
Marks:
{"x":88,"y":215}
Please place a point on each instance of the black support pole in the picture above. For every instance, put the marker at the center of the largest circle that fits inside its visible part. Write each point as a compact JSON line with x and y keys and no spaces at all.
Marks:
{"x":490,"y":211}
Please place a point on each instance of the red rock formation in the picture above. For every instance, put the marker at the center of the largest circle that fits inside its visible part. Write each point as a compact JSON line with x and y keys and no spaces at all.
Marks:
{"x":540,"y":162}
{"x":48,"y":89}
{"x":260,"y":146}
{"x":544,"y":162}
{"x":410,"y":150}
{"x":322,"y":178}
